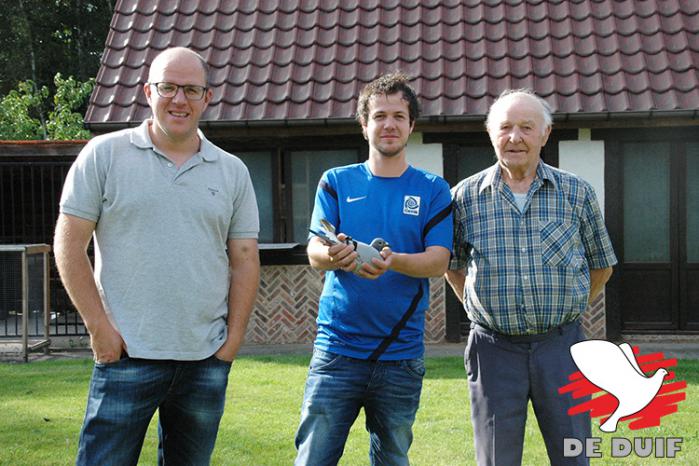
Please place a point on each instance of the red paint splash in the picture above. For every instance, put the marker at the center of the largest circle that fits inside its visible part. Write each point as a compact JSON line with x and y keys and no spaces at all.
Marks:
{"x":603,"y":404}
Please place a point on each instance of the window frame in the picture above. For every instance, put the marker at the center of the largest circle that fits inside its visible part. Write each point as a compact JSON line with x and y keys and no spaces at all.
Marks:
{"x":283,"y":250}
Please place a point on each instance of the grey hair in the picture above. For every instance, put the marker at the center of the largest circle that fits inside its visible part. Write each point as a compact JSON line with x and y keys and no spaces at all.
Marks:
{"x":507,"y":93}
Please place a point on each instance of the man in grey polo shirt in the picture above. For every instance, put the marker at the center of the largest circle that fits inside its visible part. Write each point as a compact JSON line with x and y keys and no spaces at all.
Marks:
{"x":176,"y":272}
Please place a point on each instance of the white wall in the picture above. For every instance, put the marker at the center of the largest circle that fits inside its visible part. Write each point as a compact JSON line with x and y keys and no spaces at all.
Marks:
{"x":585,"y":158}
{"x":425,"y":156}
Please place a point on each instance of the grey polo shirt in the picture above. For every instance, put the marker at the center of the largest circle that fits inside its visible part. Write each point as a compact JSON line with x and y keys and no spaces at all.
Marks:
{"x":161,"y":264}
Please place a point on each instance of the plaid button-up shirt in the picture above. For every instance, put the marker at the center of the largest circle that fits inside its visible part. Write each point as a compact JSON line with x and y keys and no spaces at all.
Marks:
{"x":527,"y":272}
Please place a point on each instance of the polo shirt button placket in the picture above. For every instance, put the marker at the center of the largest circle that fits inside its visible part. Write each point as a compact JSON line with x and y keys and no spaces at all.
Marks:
{"x":173,"y":172}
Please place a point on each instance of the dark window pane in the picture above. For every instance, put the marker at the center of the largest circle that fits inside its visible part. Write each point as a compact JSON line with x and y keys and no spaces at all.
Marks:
{"x":474,"y":159}
{"x":306,"y":170}
{"x":260,"y":167}
{"x":692,"y":202}
{"x":647,"y":202}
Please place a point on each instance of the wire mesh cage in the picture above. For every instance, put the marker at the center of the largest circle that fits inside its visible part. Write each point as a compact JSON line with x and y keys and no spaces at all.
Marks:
{"x":24,"y":296}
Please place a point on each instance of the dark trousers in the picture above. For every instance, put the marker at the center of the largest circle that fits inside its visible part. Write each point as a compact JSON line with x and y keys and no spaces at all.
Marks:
{"x":504,"y":373}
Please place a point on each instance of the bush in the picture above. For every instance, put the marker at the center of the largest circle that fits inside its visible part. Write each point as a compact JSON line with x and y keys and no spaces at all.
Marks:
{"x":19,"y":111}
{"x":22,"y":114}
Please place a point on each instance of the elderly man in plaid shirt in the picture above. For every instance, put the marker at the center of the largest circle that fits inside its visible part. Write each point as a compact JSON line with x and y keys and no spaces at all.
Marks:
{"x":530,"y":251}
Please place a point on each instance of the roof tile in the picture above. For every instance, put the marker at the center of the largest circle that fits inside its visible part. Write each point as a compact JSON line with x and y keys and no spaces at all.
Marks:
{"x":631,"y":64}
{"x":590,"y":85}
{"x":645,"y":101}
{"x":614,"y":83}
{"x":307,"y":59}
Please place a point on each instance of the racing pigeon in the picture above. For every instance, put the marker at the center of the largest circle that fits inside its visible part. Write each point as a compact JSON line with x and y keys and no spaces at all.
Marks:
{"x":365,"y":252}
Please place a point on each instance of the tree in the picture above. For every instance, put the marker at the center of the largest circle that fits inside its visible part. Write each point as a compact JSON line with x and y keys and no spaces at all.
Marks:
{"x":40,"y":37}
{"x":20,"y":108}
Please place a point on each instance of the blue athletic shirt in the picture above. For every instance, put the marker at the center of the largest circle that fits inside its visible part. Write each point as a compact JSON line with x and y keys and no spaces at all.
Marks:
{"x":385,"y":318}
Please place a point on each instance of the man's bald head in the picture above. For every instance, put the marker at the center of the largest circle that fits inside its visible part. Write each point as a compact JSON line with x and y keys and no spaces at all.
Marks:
{"x":174,"y":55}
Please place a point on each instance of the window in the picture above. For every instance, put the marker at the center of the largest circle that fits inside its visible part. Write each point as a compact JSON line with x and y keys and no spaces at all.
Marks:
{"x":471,"y":160}
{"x":306,"y":169}
{"x":647,"y":202}
{"x":465,"y":154}
{"x":285,"y":178}
{"x":462,"y":161}
{"x":692,"y":202}
{"x":260,"y":167}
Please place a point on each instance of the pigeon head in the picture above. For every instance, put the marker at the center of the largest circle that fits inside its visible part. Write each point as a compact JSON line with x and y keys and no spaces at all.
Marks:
{"x":379,"y":244}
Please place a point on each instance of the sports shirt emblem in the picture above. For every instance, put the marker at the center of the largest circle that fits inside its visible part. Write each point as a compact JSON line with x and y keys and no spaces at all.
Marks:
{"x":411,"y":205}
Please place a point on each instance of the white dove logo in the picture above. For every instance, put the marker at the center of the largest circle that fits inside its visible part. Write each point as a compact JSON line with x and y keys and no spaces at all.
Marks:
{"x":615,"y":370}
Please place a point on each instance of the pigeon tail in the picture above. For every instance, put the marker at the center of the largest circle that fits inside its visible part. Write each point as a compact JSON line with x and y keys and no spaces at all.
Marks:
{"x":610,"y":424}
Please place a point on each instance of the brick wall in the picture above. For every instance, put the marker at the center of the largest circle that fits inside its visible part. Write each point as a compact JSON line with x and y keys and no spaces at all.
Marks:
{"x":287,"y":307}
{"x":594,"y":319}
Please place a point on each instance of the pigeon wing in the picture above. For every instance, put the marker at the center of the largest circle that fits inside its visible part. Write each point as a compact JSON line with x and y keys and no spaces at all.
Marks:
{"x":366,"y":253}
{"x":603,"y":363}
{"x":628,"y":352}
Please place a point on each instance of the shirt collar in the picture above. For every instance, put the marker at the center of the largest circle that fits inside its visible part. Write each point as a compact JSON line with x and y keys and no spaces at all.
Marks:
{"x":545,"y":173}
{"x":493,"y":178}
{"x":140,"y":137}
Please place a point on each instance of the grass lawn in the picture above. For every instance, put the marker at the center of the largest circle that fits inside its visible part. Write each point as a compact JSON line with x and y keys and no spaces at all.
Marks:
{"x":42,"y":405}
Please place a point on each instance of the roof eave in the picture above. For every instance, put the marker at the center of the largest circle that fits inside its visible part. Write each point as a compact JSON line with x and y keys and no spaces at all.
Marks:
{"x":577,"y":117}
{"x":264,"y":123}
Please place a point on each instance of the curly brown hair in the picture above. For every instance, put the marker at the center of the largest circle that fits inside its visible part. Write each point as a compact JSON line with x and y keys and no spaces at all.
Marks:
{"x":387,"y":84}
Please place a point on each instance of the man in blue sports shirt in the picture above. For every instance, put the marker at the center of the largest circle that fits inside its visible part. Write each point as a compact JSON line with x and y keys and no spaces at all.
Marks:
{"x":369,"y":348}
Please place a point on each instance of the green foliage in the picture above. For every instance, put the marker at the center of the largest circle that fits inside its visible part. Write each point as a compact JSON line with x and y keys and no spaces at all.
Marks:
{"x":22,"y":114}
{"x":19,"y":111}
{"x":64,"y":122}
{"x":39,"y":37}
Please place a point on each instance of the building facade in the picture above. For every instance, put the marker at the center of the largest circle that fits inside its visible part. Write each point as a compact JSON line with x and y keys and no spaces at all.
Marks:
{"x":621,"y":77}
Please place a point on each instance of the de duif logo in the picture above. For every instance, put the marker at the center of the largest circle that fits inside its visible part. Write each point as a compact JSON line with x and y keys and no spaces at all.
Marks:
{"x":625,"y":386}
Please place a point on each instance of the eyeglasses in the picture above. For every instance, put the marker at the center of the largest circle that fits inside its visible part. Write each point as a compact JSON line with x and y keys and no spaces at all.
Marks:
{"x":169,"y":90}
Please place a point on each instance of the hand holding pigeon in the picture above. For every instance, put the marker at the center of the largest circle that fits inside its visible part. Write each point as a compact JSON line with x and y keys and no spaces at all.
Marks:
{"x":365,"y":252}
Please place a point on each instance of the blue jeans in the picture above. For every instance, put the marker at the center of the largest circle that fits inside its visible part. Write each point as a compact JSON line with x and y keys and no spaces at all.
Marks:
{"x":504,"y":373}
{"x":124,"y":395}
{"x":338,"y":387}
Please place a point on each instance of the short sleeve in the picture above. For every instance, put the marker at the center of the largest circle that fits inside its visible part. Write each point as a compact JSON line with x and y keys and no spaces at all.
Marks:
{"x":245,"y":222}
{"x":598,"y":246}
{"x":438,"y":230}
{"x":325,"y":205}
{"x":83,"y":189}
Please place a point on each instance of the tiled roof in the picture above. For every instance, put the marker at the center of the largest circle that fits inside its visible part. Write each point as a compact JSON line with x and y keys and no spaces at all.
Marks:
{"x":307,"y":59}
